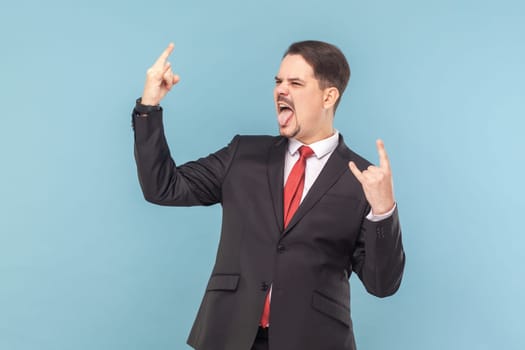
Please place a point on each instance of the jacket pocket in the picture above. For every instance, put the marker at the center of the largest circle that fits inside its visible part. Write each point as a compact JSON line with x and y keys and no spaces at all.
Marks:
{"x":331,"y":308}
{"x":223,"y":282}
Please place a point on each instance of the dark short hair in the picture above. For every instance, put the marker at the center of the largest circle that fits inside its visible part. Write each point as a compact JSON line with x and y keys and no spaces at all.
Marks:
{"x":328,"y":62}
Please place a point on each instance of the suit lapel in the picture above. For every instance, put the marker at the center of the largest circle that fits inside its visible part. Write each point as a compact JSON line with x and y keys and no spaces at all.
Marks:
{"x":275,"y":171}
{"x":332,"y":171}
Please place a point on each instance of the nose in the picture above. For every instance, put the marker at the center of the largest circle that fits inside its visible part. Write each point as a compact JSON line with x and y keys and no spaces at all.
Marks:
{"x":281,"y":89}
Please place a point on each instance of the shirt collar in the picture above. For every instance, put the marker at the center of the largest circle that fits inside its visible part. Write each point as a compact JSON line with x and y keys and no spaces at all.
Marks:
{"x":321,"y":148}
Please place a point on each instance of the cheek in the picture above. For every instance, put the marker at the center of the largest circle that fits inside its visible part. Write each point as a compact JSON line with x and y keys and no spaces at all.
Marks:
{"x":308,"y":107}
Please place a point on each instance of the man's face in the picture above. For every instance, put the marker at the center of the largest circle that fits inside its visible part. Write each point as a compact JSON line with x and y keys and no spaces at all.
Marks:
{"x":300,"y":102}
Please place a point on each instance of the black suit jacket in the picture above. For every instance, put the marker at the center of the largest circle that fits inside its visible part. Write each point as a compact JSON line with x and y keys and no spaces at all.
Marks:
{"x":308,"y":263}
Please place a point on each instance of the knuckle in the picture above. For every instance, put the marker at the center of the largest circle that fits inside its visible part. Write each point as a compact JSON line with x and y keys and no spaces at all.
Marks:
{"x":152,"y":74}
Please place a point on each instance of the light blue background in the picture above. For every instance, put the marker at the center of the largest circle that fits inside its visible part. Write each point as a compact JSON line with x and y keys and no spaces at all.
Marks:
{"x":86,"y":263}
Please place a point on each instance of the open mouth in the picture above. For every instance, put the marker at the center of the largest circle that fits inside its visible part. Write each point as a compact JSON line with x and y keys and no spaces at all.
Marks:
{"x":285,"y":112}
{"x":284,"y":107}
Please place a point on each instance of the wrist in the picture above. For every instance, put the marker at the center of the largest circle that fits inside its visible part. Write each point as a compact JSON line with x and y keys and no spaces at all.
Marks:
{"x":143,"y":108}
{"x":147,"y":101}
{"x":384,"y":209}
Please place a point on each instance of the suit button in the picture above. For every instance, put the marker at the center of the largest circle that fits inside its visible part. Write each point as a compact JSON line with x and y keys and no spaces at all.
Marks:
{"x":264,"y":286}
{"x":281,"y":248}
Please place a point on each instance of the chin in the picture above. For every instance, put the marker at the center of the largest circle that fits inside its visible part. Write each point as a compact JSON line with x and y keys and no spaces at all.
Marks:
{"x":288,"y":131}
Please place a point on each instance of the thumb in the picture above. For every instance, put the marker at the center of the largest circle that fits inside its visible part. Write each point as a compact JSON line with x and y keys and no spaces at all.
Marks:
{"x":357,"y":173}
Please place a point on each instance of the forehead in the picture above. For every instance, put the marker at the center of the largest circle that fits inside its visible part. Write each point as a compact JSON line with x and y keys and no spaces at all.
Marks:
{"x":295,"y":66}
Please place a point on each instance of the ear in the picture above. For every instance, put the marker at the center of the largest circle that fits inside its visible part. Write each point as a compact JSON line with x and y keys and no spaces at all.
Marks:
{"x":330,"y":97}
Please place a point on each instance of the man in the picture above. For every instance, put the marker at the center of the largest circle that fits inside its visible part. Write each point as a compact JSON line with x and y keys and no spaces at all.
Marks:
{"x":298,"y":214}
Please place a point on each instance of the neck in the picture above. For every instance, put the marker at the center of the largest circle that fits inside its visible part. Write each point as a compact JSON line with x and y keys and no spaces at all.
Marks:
{"x":321,"y":135}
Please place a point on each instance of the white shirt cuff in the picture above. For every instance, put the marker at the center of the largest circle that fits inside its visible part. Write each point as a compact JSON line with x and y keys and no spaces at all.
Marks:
{"x":376,"y":218}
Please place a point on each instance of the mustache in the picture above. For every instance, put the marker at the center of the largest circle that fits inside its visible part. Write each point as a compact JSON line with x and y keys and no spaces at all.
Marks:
{"x":289,"y":102}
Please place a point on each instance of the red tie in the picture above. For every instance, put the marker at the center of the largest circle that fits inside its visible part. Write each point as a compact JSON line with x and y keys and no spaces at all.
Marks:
{"x":293,"y":192}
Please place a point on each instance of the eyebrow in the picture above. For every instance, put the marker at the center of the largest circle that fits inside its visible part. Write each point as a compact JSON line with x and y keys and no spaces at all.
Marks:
{"x":290,"y":79}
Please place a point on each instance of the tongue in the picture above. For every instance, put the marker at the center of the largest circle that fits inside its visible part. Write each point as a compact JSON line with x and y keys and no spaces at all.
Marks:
{"x":285,"y":116}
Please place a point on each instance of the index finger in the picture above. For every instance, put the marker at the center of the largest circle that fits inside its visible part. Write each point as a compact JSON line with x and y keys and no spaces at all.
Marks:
{"x":383,"y":157}
{"x":161,"y":61}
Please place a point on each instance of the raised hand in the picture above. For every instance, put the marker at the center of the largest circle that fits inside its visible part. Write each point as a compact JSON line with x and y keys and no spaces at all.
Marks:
{"x":159,"y":79}
{"x":377,"y":182}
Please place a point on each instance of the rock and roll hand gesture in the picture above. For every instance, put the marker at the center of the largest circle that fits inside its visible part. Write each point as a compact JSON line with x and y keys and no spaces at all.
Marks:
{"x":377,"y":182}
{"x":159,"y":79}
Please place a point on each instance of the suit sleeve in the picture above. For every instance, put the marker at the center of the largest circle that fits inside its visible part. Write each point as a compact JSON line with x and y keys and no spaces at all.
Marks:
{"x":162,"y":181}
{"x":379,"y":258}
